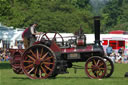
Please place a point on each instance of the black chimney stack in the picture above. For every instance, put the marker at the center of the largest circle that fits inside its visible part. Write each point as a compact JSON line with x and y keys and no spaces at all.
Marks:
{"x":97,"y":30}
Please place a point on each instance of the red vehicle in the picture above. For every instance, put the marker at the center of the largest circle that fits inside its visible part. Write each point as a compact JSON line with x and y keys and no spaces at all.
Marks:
{"x":48,"y":57}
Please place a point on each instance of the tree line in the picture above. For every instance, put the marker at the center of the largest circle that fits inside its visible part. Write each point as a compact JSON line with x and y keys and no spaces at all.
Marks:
{"x":63,"y":15}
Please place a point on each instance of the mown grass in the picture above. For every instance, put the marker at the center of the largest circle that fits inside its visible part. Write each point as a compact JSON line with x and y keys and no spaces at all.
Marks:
{"x":8,"y":77}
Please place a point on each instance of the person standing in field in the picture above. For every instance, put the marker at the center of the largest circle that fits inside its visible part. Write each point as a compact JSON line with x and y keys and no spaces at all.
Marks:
{"x":109,"y":50}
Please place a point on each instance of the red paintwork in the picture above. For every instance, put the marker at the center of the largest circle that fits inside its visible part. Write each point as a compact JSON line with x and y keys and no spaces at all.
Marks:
{"x":71,"y":50}
{"x":16,"y":55}
{"x":12,"y":51}
{"x":54,"y":47}
{"x":80,"y":42}
{"x":117,"y":32}
{"x":38,"y":42}
{"x":38,"y":61}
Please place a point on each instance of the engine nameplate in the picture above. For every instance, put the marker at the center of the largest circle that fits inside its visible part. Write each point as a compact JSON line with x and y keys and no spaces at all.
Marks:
{"x":73,"y":56}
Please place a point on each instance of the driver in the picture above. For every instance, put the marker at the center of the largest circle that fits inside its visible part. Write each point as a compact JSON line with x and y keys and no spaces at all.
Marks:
{"x":29,"y":35}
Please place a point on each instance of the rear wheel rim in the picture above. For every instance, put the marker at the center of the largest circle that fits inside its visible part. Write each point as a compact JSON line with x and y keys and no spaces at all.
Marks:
{"x":38,"y":62}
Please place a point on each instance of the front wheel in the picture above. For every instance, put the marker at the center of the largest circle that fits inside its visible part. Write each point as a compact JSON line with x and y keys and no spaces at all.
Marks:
{"x":110,"y":67}
{"x":95,"y":67}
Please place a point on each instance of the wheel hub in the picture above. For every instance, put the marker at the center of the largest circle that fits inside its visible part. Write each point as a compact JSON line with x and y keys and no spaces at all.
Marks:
{"x":37,"y":62}
{"x":95,"y":68}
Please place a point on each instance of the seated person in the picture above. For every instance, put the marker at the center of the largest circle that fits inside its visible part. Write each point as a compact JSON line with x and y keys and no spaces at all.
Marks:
{"x":118,"y":58}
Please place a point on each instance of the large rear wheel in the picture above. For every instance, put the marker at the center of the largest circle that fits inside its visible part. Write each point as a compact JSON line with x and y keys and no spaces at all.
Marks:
{"x":38,"y":62}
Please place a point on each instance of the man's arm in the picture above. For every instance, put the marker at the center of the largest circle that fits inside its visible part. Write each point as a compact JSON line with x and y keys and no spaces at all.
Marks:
{"x":32,"y":30}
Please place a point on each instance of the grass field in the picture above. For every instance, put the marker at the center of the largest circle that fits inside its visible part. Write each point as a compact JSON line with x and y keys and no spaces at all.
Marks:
{"x":8,"y":77}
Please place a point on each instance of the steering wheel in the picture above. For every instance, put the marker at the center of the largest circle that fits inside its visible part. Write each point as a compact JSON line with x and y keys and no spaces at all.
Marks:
{"x":45,"y":35}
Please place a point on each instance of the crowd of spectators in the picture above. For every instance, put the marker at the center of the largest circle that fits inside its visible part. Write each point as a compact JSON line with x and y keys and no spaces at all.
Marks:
{"x":119,"y":57}
{"x":4,"y":55}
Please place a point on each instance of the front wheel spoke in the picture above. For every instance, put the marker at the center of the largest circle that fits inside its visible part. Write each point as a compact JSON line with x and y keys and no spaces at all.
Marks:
{"x":89,"y":71}
{"x":101,"y":64}
{"x":48,"y":68}
{"x":99,"y":72}
{"x":102,"y":68}
{"x":31,"y":57}
{"x":97,"y":62}
{"x":94,"y":61}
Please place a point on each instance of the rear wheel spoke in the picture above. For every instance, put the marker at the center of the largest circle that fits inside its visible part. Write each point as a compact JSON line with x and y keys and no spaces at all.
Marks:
{"x":47,"y":63}
{"x":41,"y":51}
{"x":40,"y":73}
{"x":35,"y":72}
{"x":29,"y":66}
{"x":31,"y":57}
{"x":44,"y":70}
{"x":28,"y":61}
{"x":33,"y":54}
{"x":48,"y":58}
{"x":31,"y":70}
{"x":44,"y":56}
{"x":37,"y":52}
{"x":48,"y":68}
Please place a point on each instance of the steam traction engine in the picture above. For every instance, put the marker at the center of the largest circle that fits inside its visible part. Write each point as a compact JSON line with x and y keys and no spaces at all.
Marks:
{"x":49,"y":57}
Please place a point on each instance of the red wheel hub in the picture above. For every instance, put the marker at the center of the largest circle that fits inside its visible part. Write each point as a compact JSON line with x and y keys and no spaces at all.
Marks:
{"x":37,"y":62}
{"x":95,"y":68}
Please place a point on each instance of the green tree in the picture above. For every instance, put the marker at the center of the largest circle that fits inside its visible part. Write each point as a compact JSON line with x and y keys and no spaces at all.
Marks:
{"x":51,"y":15}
